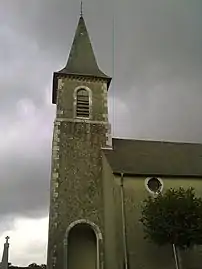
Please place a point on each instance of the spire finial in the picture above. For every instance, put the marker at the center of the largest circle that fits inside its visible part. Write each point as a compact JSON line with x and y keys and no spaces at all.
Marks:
{"x":81,"y":11}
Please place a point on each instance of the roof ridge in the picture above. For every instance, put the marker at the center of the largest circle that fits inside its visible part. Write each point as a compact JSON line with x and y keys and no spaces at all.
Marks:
{"x":158,"y":141}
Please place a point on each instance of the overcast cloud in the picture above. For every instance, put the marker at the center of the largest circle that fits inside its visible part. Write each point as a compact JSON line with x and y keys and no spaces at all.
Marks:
{"x":154,"y":54}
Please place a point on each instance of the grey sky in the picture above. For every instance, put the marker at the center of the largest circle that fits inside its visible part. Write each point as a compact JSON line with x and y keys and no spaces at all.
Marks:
{"x":156,"y":92}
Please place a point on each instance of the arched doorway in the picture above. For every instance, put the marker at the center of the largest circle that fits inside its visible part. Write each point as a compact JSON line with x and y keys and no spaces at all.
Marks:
{"x":82,"y":247}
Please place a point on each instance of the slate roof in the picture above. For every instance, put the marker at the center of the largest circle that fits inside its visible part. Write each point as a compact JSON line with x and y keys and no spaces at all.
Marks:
{"x":81,"y":61}
{"x":155,"y":158}
{"x":82,"y":58}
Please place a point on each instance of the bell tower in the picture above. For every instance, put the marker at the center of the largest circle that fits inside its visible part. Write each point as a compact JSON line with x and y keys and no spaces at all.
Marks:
{"x":76,"y":218}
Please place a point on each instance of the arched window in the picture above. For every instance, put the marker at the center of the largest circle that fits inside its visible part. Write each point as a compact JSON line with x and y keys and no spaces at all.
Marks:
{"x":82,"y":103}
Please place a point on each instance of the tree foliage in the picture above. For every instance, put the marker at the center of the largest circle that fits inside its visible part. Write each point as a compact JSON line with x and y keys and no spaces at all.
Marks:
{"x":36,"y":266}
{"x":30,"y":266}
{"x":174,"y":217}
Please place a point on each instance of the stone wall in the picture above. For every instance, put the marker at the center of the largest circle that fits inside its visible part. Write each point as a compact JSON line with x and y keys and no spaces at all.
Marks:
{"x":143,"y":254}
{"x":112,"y":220}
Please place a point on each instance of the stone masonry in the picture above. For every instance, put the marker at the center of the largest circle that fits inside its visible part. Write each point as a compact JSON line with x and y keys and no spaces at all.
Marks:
{"x":76,"y":184}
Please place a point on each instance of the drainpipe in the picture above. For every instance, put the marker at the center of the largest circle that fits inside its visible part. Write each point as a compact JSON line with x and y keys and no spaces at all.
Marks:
{"x":124,"y":225}
{"x":175,"y":256}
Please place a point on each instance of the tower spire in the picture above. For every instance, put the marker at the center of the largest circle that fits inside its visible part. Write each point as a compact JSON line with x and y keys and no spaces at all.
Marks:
{"x":81,"y":60}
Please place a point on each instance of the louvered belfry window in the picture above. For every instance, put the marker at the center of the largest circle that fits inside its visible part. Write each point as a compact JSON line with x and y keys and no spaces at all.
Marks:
{"x":82,"y":104}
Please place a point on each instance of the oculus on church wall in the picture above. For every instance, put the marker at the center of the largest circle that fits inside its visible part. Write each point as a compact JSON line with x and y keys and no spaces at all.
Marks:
{"x":154,"y":185}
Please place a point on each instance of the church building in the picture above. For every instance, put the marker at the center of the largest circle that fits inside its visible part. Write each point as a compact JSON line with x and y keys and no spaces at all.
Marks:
{"x":98,"y":182}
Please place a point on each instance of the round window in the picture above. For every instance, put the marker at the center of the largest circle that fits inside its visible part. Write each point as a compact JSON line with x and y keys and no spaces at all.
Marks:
{"x":154,"y":185}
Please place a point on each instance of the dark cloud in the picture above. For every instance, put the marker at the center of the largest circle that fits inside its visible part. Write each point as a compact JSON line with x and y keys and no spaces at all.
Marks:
{"x":25,"y":163}
{"x":156,"y":90}
{"x":25,"y":185}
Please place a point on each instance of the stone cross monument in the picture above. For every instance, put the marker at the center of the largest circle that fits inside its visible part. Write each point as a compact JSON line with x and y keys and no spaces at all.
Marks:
{"x":4,"y":261}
